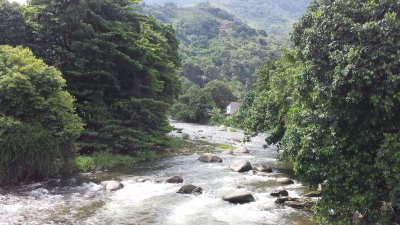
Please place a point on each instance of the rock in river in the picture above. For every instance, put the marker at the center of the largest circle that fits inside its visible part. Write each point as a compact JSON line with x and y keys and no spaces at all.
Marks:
{"x":262,"y":168}
{"x":313,"y":194}
{"x":242,"y":150}
{"x":240,"y":165}
{"x":284,"y":181}
{"x":239,"y":197}
{"x":112,"y":185}
{"x":208,"y":157}
{"x":297,"y":203}
{"x":281,"y":193}
{"x":190,"y":189}
{"x":175,"y":180}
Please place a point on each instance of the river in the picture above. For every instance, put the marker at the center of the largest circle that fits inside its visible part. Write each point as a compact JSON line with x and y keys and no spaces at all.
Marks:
{"x":81,"y":200}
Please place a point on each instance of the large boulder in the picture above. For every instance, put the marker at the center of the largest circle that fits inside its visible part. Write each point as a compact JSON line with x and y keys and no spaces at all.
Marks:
{"x":242,"y":150}
{"x":112,"y":185}
{"x":282,"y":193}
{"x":208,"y":157}
{"x":175,"y":180}
{"x":241,"y":165}
{"x":284,"y":181}
{"x":240,"y":197}
{"x":262,"y":168}
{"x":190,"y":189}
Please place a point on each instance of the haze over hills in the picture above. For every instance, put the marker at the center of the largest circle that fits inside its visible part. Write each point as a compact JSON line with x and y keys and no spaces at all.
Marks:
{"x":274,"y":16}
{"x":215,"y":44}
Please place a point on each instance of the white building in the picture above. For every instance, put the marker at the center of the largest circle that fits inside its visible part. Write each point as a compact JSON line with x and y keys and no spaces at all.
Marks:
{"x":232,"y":107}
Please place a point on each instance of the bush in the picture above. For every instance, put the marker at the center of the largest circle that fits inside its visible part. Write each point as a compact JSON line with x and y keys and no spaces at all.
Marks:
{"x":38,"y":125}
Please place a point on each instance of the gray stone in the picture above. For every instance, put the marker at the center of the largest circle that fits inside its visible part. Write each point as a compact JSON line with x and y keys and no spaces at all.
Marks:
{"x":297,"y":203}
{"x":242,"y":150}
{"x":144,"y":179}
{"x":190,"y":189}
{"x":284,"y":181}
{"x":282,"y":193}
{"x":112,"y":185}
{"x":240,"y":197}
{"x":208,"y":157}
{"x":262,"y":168}
{"x":240,"y":165}
{"x":175,"y":180}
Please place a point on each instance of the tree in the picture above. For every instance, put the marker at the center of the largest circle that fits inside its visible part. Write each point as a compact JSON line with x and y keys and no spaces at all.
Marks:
{"x":120,"y":65}
{"x":13,"y":27}
{"x":194,"y":104}
{"x":220,"y":92}
{"x":38,"y":124}
{"x":341,"y":127}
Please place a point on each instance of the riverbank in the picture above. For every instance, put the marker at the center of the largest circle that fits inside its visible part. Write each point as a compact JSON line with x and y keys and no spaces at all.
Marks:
{"x":81,"y":199}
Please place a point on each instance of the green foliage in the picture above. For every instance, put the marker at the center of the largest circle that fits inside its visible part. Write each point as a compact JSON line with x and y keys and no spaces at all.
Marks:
{"x":38,"y":124}
{"x":220,"y":92}
{"x":104,"y":160}
{"x":215,"y":44}
{"x":13,"y":27}
{"x":120,"y":65}
{"x":336,"y":112}
{"x":276,"y":17}
{"x":194,"y":104}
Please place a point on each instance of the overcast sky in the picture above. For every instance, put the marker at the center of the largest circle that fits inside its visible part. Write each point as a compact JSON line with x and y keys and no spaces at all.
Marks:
{"x":19,"y":1}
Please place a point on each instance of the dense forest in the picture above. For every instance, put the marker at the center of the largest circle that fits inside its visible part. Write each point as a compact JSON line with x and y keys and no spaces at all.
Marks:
{"x":332,"y":106}
{"x":275,"y":17}
{"x":90,"y":81}
{"x":214,"y":44}
{"x":119,"y":65}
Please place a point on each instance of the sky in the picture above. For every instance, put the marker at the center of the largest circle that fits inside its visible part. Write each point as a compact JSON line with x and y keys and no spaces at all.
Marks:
{"x":19,"y":1}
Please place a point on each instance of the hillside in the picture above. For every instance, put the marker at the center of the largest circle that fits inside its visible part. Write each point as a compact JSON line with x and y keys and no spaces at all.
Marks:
{"x":215,"y":44}
{"x":274,"y":16}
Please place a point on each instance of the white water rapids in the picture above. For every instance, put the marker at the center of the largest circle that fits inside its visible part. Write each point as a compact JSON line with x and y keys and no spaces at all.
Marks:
{"x":81,"y":200}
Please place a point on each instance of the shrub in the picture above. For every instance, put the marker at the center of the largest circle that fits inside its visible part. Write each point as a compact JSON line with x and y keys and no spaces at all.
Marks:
{"x":38,"y":125}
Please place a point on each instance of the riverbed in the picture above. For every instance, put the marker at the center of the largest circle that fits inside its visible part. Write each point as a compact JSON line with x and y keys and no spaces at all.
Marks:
{"x":81,"y":200}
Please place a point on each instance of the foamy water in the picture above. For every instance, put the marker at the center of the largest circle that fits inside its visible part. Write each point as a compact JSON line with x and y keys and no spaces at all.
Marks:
{"x":82,"y":201}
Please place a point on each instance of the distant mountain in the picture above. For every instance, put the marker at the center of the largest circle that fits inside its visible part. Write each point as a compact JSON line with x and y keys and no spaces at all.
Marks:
{"x":215,"y":44}
{"x":274,"y":16}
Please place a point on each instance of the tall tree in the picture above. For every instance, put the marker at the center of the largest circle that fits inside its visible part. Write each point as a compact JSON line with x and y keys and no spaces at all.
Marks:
{"x":12,"y":24}
{"x":120,"y":66}
{"x":38,"y":123}
{"x":341,"y":126}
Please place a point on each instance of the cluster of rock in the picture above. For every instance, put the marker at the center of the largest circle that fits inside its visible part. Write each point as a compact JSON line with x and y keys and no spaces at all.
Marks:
{"x":306,"y":202}
{"x":238,"y":197}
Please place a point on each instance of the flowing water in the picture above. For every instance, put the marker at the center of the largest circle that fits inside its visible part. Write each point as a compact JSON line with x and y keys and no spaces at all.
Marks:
{"x":81,"y":200}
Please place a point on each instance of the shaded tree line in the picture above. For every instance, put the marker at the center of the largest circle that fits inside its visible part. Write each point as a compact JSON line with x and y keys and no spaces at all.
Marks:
{"x":118,"y":64}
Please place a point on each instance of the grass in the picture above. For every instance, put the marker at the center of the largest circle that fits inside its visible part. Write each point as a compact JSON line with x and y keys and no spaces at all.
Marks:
{"x":176,"y":146}
{"x":102,"y":161}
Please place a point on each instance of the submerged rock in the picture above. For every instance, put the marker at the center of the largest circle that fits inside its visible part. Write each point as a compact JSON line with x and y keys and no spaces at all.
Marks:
{"x":242,"y":150}
{"x":143,"y":179}
{"x":262,"y":168}
{"x":112,"y":185}
{"x":240,"y":197}
{"x":208,"y":157}
{"x":240,"y":165}
{"x":313,"y":194}
{"x":190,"y":189}
{"x":174,"y":180}
{"x":284,"y":181}
{"x":282,"y":193}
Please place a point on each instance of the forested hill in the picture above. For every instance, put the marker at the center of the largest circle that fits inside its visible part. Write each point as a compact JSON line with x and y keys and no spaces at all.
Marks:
{"x":274,"y":16}
{"x":215,"y":44}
